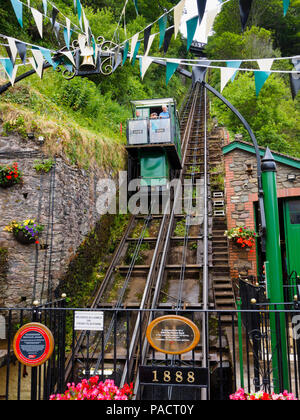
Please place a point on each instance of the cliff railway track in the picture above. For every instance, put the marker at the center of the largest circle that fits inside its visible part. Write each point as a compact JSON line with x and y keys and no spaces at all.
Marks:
{"x":163,"y":264}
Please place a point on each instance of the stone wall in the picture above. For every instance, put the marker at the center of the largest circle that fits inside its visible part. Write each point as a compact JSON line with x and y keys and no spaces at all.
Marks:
{"x":241,"y":194}
{"x":63,"y":200}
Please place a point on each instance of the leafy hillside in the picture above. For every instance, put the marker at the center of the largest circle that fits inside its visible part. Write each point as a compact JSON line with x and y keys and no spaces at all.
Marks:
{"x":273,"y":115}
{"x":88,"y":111}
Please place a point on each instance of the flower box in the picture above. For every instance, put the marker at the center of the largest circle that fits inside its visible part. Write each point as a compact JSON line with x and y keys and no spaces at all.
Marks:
{"x":241,"y":395}
{"x":26,"y":232}
{"x":10,"y":175}
{"x":242,"y":237}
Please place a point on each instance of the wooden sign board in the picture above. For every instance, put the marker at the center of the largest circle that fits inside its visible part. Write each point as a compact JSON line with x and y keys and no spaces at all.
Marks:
{"x":173,"y":334}
{"x":33,"y":344}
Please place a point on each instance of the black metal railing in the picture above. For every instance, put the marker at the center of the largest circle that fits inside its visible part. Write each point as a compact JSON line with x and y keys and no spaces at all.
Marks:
{"x":248,"y":354}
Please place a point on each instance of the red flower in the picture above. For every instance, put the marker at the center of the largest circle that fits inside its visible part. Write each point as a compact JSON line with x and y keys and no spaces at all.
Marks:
{"x":8,"y":177}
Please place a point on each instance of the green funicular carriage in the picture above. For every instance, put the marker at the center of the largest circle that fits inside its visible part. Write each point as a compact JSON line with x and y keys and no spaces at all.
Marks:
{"x":153,"y":144}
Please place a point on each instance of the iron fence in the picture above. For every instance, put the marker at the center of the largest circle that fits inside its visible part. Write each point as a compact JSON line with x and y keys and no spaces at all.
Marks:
{"x":245,"y":348}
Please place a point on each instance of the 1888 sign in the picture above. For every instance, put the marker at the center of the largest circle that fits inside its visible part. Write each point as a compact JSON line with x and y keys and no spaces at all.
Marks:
{"x":167,"y":375}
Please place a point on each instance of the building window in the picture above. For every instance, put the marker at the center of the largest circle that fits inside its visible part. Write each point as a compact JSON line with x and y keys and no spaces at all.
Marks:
{"x":295,"y":212}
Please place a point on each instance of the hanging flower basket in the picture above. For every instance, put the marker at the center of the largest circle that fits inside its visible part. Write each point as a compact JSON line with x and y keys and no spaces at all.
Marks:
{"x":242,"y":237}
{"x":26,"y":232}
{"x":10,"y":175}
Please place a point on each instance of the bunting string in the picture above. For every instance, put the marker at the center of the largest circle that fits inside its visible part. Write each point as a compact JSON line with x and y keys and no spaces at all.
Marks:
{"x":78,"y":30}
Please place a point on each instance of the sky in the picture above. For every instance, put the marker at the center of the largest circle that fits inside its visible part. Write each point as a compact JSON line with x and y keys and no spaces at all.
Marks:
{"x":192,"y":10}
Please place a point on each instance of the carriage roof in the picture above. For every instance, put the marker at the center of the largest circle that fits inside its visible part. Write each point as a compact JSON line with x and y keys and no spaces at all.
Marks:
{"x":153,"y":102}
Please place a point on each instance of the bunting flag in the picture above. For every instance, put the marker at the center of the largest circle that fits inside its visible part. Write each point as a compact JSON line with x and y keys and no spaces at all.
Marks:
{"x":245,"y":7}
{"x":69,"y":56}
{"x":67,"y":33}
{"x":260,"y":79}
{"x":136,"y":50}
{"x":147,"y":33}
{"x":22,"y":50}
{"x":198,"y":73}
{"x":134,"y":41}
{"x":18,"y":8}
{"x":171,"y":69}
{"x":47,"y":55}
{"x":55,"y":12}
{"x":167,"y":40}
{"x":38,"y":18}
{"x":210,"y":19}
{"x":125,"y":53}
{"x":295,"y":78}
{"x":45,"y":5}
{"x":178,"y":11}
{"x":150,"y":42}
{"x":265,"y":64}
{"x":162,"y":23}
{"x":201,"y":4}
{"x":191,"y":25}
{"x":145,"y":63}
{"x":37,"y":62}
{"x":12,"y":50}
{"x":286,"y":4}
{"x":79,"y":13}
{"x":226,"y":75}
{"x":261,"y":76}
{"x":136,"y":6}
{"x":9,"y":68}
{"x":235,"y":64}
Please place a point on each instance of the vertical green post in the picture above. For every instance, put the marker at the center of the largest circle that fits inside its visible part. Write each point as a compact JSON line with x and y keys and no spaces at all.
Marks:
{"x":239,"y":306}
{"x":274,"y":278}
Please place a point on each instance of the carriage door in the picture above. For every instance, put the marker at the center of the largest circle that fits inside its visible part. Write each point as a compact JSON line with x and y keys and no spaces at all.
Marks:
{"x":292,"y":234}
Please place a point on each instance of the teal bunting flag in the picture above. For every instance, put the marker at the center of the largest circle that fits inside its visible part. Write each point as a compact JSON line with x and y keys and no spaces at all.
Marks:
{"x":125,"y":53}
{"x":8,"y":66}
{"x":67,"y":38}
{"x":260,"y":79}
{"x":171,"y":69}
{"x":45,"y":4}
{"x":136,"y":6}
{"x":191,"y":29}
{"x":235,"y":64}
{"x":18,"y":8}
{"x":162,"y":23}
{"x":136,"y":50}
{"x":47,"y":55}
{"x":79,"y":12}
{"x":286,"y":4}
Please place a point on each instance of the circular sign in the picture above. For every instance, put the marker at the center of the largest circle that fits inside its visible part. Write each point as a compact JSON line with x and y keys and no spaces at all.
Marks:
{"x":173,"y":334}
{"x":33,"y":344}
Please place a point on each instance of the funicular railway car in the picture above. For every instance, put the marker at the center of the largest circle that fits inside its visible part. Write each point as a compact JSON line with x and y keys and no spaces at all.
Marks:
{"x":153,"y":143}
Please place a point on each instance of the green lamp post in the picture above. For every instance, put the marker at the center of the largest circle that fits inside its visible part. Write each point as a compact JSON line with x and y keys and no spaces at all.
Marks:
{"x":274,"y":275}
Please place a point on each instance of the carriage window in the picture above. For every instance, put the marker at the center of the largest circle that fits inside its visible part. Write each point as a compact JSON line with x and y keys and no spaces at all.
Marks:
{"x":295,"y":212}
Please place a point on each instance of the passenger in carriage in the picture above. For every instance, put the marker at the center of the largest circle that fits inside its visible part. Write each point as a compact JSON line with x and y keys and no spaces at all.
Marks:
{"x":165,"y":113}
{"x":154,"y":116}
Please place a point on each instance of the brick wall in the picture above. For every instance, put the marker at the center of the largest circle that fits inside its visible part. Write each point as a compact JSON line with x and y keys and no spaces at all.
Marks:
{"x":241,"y":194}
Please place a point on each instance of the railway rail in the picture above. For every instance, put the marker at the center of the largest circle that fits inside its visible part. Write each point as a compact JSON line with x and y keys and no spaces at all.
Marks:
{"x":162,"y":261}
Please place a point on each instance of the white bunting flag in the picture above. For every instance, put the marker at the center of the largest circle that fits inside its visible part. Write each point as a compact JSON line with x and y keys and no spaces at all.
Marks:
{"x":178,"y":11}
{"x":68,"y":25}
{"x":226,"y":75}
{"x":145,"y":64}
{"x":38,"y":17}
{"x":150,"y":42}
{"x":210,"y":19}
{"x":265,"y":64}
{"x":13,"y":49}
{"x":37,"y":62}
{"x":69,"y":55}
{"x":82,"y":43}
{"x":134,"y":41}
